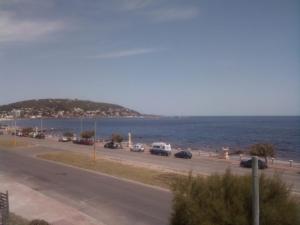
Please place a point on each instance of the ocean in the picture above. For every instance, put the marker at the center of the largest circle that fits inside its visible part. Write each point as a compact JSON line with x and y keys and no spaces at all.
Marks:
{"x":205,"y":133}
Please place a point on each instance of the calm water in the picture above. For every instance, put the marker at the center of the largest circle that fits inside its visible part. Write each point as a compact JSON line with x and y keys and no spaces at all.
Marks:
{"x":207,"y":133}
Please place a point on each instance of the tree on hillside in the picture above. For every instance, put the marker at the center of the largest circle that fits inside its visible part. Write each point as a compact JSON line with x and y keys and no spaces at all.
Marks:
{"x":117,"y":138}
{"x":226,"y":199}
{"x":263,"y":150}
{"x":87,"y":134}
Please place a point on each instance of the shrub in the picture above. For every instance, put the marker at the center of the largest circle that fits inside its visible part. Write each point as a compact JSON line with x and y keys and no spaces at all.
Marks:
{"x":263,"y":150}
{"x":27,"y":130}
{"x":117,"y":138}
{"x":68,"y":134}
{"x":226,"y":200}
{"x":38,"y":222}
{"x":87,"y":134}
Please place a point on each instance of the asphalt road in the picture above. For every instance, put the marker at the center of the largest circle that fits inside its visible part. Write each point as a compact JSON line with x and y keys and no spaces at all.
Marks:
{"x":197,"y":164}
{"x":109,"y":200}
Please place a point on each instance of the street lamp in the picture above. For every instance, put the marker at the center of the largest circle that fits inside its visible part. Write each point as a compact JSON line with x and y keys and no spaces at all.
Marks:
{"x":41,"y":125}
{"x":255,"y":191}
{"x":95,"y":129}
{"x":15,"y":138}
{"x":81,"y":124}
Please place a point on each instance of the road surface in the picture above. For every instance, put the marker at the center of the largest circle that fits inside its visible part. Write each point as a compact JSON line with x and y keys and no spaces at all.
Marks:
{"x":109,"y":200}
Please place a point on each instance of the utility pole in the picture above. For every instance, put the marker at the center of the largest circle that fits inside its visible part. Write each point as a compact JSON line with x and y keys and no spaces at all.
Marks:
{"x":41,"y":125}
{"x":15,"y":138}
{"x":81,"y":125}
{"x":255,"y":191}
{"x":95,"y":128}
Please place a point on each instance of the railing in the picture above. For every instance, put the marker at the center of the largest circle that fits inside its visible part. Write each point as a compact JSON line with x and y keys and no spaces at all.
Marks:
{"x":4,"y":208}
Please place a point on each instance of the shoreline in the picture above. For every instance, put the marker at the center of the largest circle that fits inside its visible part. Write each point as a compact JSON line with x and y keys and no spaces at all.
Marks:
{"x":55,"y":133}
{"x":198,"y":153}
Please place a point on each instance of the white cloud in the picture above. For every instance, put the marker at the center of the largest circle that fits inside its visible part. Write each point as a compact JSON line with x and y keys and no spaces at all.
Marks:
{"x":126,"y":53}
{"x":13,"y":29}
{"x":172,"y":14}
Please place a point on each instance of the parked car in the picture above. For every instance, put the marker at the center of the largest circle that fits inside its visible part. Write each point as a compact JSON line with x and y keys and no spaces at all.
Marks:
{"x":83,"y":142}
{"x":248,"y":164}
{"x":20,"y":134}
{"x":161,"y":148}
{"x":33,"y":134}
{"x":112,"y":145}
{"x":184,"y":154}
{"x":40,"y":136}
{"x":137,"y":148}
{"x":64,"y":139}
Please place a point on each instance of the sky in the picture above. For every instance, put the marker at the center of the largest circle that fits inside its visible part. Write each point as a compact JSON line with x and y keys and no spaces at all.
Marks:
{"x":166,"y":57}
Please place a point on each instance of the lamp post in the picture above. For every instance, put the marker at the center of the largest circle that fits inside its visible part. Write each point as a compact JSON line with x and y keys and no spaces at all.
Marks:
{"x":95,"y":129}
{"x":15,"y":138}
{"x":255,"y":192}
{"x":81,"y":125}
{"x":41,"y":125}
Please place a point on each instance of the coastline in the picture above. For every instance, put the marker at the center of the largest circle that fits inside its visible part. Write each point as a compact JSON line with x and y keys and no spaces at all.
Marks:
{"x":210,"y":140}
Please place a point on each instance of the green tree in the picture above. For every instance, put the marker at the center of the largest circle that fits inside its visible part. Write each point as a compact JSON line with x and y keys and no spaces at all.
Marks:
{"x":226,"y":200}
{"x":117,"y":138}
{"x":27,"y":130}
{"x":39,"y":222}
{"x":68,"y":134}
{"x":263,"y":150}
{"x":87,"y":134}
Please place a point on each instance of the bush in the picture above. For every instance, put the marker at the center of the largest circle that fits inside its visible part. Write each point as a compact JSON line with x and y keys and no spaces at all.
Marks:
{"x":38,"y":222}
{"x":68,"y":134}
{"x":27,"y":130}
{"x":226,"y":200}
{"x":117,"y":138}
{"x":87,"y":134}
{"x":263,"y":150}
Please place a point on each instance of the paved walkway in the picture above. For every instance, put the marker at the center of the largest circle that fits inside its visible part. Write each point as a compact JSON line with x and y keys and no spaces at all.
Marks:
{"x":32,"y":204}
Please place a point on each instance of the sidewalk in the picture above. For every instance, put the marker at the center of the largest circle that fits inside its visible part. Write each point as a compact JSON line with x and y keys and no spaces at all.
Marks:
{"x":32,"y":204}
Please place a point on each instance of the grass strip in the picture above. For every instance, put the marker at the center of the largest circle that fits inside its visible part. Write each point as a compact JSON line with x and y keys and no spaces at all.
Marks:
{"x":17,"y":220}
{"x":140,"y":174}
{"x":10,"y":143}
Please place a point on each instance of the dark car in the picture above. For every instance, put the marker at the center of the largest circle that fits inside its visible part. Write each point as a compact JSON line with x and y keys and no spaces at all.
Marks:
{"x":40,"y":136}
{"x":184,"y":155}
{"x":248,"y":164}
{"x":83,"y":142}
{"x":112,"y":145}
{"x":160,"y":152}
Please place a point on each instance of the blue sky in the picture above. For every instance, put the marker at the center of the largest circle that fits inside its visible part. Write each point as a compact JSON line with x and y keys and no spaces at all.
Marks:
{"x":169,"y":57}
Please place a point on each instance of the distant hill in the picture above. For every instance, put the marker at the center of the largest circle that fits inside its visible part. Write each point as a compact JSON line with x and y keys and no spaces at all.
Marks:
{"x":65,"y":108}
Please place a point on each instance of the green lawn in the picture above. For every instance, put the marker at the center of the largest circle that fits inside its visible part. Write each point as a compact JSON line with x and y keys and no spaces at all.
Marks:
{"x":10,"y":143}
{"x":140,"y":174}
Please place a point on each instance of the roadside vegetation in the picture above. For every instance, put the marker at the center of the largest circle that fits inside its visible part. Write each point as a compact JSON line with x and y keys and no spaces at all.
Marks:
{"x":10,"y":143}
{"x":18,"y":220}
{"x":117,"y":138}
{"x":226,"y":199}
{"x":88,"y":134}
{"x":140,"y":174}
{"x":264,"y":150}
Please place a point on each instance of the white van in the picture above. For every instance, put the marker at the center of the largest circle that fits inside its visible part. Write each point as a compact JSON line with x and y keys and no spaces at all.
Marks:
{"x":161,"y":148}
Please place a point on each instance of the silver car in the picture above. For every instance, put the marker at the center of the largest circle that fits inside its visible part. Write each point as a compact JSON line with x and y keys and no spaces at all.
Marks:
{"x":137,"y":148}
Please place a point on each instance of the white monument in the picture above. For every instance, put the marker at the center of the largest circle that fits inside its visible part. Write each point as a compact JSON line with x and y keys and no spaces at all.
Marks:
{"x":129,"y":140}
{"x":225,"y":153}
